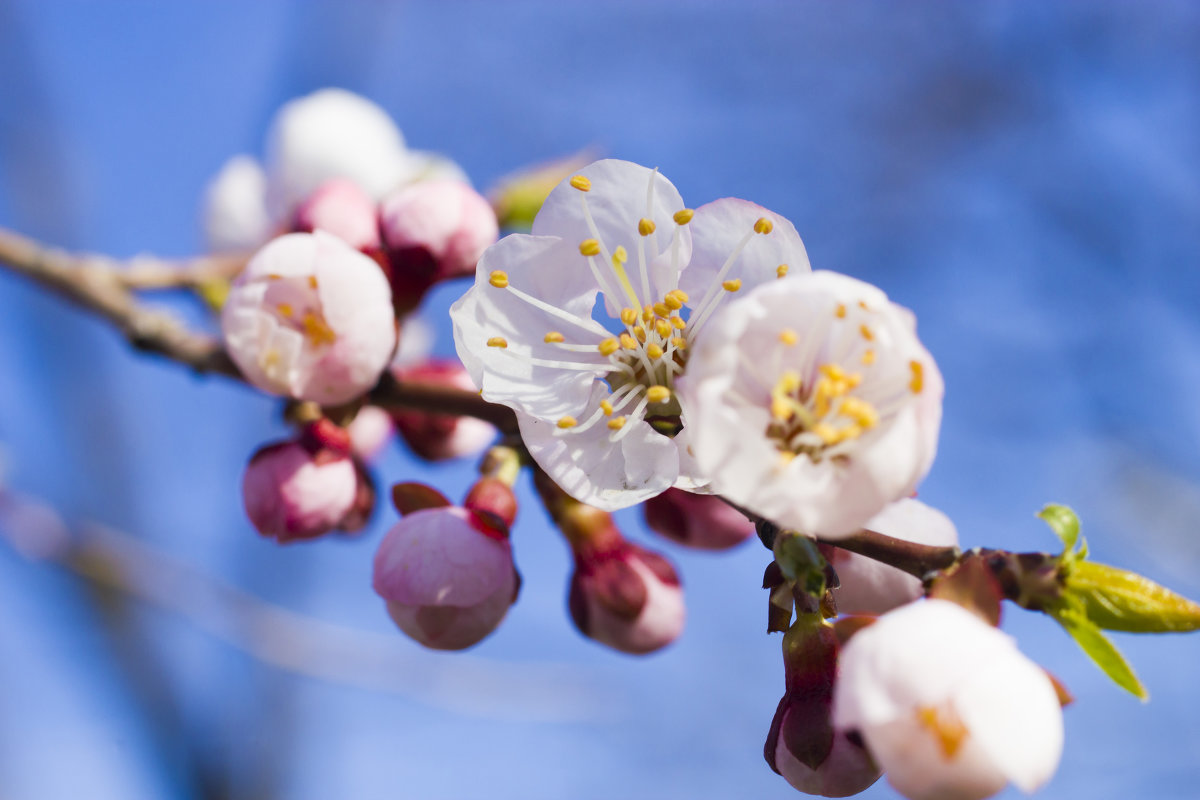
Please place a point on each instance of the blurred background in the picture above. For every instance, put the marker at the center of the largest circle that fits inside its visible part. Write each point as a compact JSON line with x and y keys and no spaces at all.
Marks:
{"x":1024,"y":176}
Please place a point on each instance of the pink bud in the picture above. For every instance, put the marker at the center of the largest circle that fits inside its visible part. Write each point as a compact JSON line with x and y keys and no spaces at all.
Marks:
{"x":433,"y":231}
{"x":802,"y":745}
{"x":493,"y":496}
{"x":447,"y":575}
{"x":703,"y":521}
{"x":342,"y":208}
{"x":292,"y":493}
{"x":371,"y":429}
{"x":310,"y":318}
{"x":438,"y":437}
{"x":625,"y":596}
{"x":871,"y":587}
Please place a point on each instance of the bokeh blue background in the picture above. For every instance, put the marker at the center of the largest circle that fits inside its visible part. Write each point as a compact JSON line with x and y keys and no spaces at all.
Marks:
{"x":1025,"y":176}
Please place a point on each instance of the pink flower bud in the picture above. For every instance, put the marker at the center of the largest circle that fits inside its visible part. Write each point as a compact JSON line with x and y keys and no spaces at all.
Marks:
{"x":447,"y":575}
{"x":703,"y":521}
{"x":947,"y":705}
{"x":433,"y":231}
{"x":625,"y":596}
{"x":802,"y":745}
{"x":342,"y":208}
{"x":310,"y":318}
{"x":292,"y":493}
{"x":493,"y":496}
{"x":872,"y":587}
{"x":371,"y":429}
{"x":438,"y":437}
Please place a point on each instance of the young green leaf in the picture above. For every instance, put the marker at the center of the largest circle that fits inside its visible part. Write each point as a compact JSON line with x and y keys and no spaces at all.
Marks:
{"x":1099,"y":648}
{"x":1064,"y":523}
{"x":1119,"y":600}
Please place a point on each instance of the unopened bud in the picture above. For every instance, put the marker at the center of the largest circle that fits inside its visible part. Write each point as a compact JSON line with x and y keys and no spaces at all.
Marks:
{"x":697,"y":520}
{"x":290,"y":493}
{"x":493,"y":496}
{"x":438,"y":437}
{"x":342,"y":208}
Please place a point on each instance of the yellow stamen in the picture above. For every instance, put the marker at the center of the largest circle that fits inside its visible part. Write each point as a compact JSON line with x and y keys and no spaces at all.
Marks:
{"x":553,"y":337}
{"x":763,"y":225}
{"x":672,"y":302}
{"x":589,"y":247}
{"x":786,"y":457}
{"x":647,"y":313}
{"x":788,"y":337}
{"x":318,"y":330}
{"x":781,"y":408}
{"x":499,"y":279}
{"x":616,"y":423}
{"x":841,"y":311}
{"x":679,"y":342}
{"x":859,"y":410}
{"x":658,"y":394}
{"x":497,"y":341}
{"x":662,"y":327}
{"x":918,"y":376}
{"x":661,"y":309}
{"x":628,"y":342}
{"x":640,"y":333}
{"x":607,"y":407}
{"x":863,"y":305}
{"x":683,"y":216}
{"x":866,"y":333}
{"x":868,"y":357}
{"x":654,"y":351}
{"x":781,"y":270}
{"x":284,"y":309}
{"x":274,"y":276}
{"x":789,"y":382}
{"x":567,"y":422}
{"x":678,"y":323}
{"x":628,"y":316}
{"x":619,"y":256}
{"x":581,"y":183}
{"x":312,"y":281}
{"x":609,"y":346}
{"x":646,"y":226}
{"x":946,"y":728}
{"x":679,"y":293}
{"x":732,"y":285}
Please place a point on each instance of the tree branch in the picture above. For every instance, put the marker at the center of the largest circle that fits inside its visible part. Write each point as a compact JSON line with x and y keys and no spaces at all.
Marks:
{"x":104,"y":287}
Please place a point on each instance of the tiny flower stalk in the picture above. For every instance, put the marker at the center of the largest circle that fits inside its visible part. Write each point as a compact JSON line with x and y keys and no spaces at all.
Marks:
{"x":802,"y":744}
{"x":621,"y":595}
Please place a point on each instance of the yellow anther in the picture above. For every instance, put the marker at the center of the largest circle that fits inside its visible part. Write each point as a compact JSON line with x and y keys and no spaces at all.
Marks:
{"x":833,"y":372}
{"x":581,"y":183}
{"x":499,"y":279}
{"x":863,"y":305}
{"x":269,"y":359}
{"x":679,"y":342}
{"x":497,"y":341}
{"x":274,"y":276}
{"x":647,"y":313}
{"x":786,"y":457}
{"x":827,"y":432}
{"x":841,"y":311}
{"x":918,"y":376}
{"x":628,"y":316}
{"x":868,"y":357}
{"x":732,"y":285}
{"x":654,"y":350}
{"x":619,"y":256}
{"x":553,"y":337}
{"x":662,"y":327}
{"x":866,"y":333}
{"x":789,"y":382}
{"x":312,"y":281}
{"x":589,"y":247}
{"x":781,"y":270}
{"x":284,"y":309}
{"x":661,"y":309}
{"x":788,"y":337}
{"x":782,"y":408}
{"x":318,"y":330}
{"x":616,"y":423}
{"x":946,"y":727}
{"x":763,"y":225}
{"x":679,"y":293}
{"x":628,"y":342}
{"x":859,"y":410}
{"x":609,"y":346}
{"x":678,"y":323}
{"x":607,"y":407}
{"x":639,"y":332}
{"x":658,"y":394}
{"x":646,"y":226}
{"x":567,"y":422}
{"x":672,"y":302}
{"x":683,"y":216}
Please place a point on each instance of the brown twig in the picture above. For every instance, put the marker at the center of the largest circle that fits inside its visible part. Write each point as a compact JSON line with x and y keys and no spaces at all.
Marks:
{"x":104,"y":287}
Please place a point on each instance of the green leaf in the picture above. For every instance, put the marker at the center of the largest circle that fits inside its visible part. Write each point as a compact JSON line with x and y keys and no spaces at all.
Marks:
{"x":1119,"y":600}
{"x":1064,"y":523}
{"x":801,"y":561}
{"x":1098,"y":648}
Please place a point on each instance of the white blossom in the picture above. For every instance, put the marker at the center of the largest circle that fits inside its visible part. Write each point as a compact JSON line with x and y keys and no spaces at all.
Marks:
{"x":811,"y":402}
{"x":589,"y":394}
{"x":235,"y":207}
{"x":947,"y":705}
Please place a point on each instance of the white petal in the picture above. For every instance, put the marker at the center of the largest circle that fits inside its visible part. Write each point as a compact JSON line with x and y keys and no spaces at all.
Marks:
{"x":235,"y":207}
{"x":617,"y":201}
{"x":595,"y":470}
